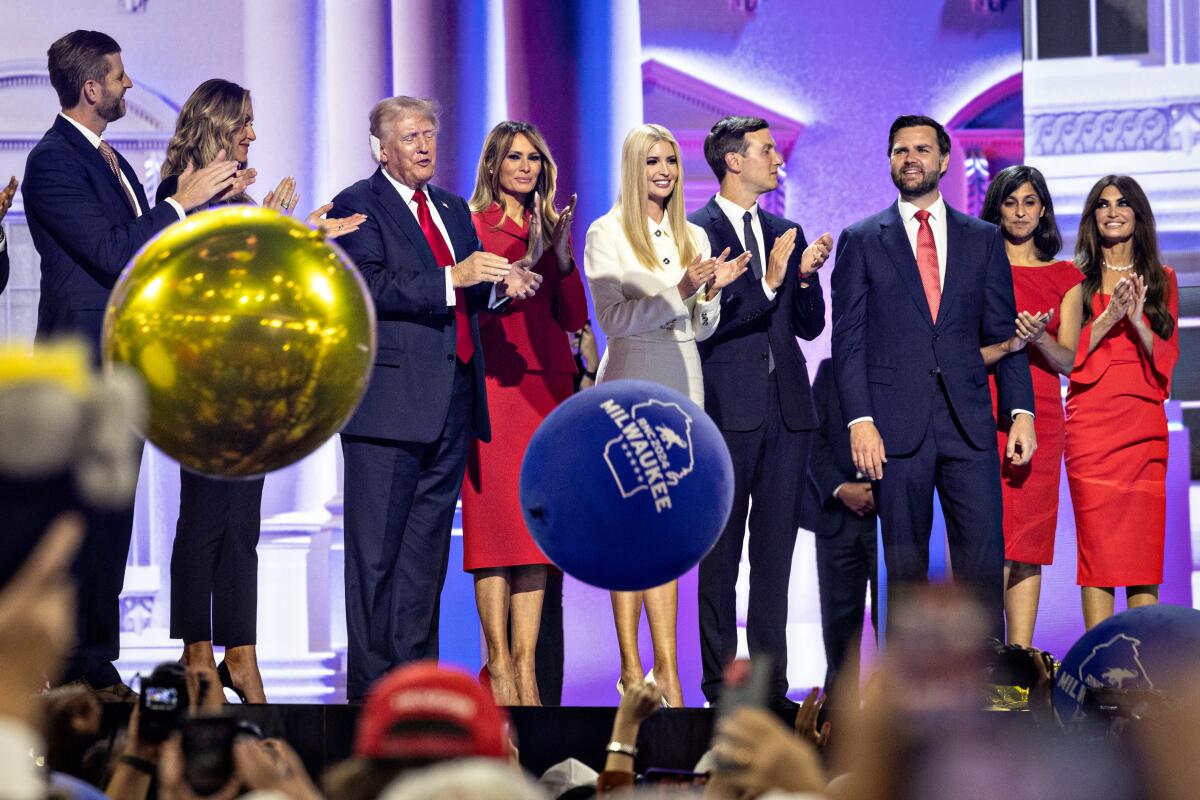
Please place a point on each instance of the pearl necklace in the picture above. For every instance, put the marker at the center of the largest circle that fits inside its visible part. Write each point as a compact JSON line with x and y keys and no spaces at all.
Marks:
{"x":1124,"y":268}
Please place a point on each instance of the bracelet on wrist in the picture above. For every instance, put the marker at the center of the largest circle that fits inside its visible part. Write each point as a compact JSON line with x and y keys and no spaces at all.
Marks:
{"x":140,"y":764}
{"x":624,"y":749}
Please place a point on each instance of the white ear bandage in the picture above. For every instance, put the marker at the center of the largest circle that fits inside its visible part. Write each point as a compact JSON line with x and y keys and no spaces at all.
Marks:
{"x":375,"y":147}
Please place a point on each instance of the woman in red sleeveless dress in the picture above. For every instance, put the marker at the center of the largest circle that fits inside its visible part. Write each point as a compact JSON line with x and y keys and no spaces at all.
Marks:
{"x":1050,"y":308}
{"x":1116,"y":427}
{"x":529,"y":369}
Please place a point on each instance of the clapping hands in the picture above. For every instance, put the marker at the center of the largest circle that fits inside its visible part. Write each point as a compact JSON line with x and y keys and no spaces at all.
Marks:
{"x":284,"y":197}
{"x":726,"y":272}
{"x":1128,"y":300}
{"x":6,"y":196}
{"x":560,"y":237}
{"x":1030,"y":327}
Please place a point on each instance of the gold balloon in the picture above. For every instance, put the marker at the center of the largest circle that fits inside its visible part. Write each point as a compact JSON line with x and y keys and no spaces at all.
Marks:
{"x":255,"y":337}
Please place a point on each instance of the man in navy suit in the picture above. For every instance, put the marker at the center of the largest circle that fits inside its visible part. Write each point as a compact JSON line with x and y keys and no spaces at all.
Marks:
{"x":918,"y":289}
{"x":756,"y":390}
{"x":88,"y":215}
{"x":840,"y":509}
{"x":405,"y":447}
{"x":6,"y":198}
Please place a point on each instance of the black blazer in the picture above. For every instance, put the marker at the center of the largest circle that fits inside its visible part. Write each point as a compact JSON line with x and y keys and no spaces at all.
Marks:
{"x":4,"y":268}
{"x":83,"y":228}
{"x":887,"y":351}
{"x":829,"y":463}
{"x":414,"y":368}
{"x":735,"y":355}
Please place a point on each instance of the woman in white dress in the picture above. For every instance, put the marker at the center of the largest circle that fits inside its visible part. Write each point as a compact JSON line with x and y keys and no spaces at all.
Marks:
{"x":656,"y":291}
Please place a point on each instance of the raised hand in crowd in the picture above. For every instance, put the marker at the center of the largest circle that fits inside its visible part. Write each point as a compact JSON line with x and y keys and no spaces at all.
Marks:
{"x":816,"y":254}
{"x":726,"y":272}
{"x":560,"y":238}
{"x":6,"y":196}
{"x":222,"y":176}
{"x":284,"y":198}
{"x":137,"y":764}
{"x":857,"y":496}
{"x":808,"y":718}
{"x":37,"y":610}
{"x":259,"y":765}
{"x":639,"y":702}
{"x":272,"y":765}
{"x":755,"y":753}
{"x":205,"y":694}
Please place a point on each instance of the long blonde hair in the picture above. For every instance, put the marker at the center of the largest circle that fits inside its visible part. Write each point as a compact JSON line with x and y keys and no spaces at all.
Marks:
{"x":208,"y":123}
{"x":633,"y":200}
{"x":487,"y":177}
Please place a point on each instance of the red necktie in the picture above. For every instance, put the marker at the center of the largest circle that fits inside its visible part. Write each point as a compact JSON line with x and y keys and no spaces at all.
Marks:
{"x":927,"y":264}
{"x":110,"y":157}
{"x":464,"y":346}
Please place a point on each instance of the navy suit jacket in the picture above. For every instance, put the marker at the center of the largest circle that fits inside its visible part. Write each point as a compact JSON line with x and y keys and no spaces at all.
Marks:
{"x":4,"y":268}
{"x":735,"y":355}
{"x":829,"y":462}
{"x":887,"y":351}
{"x":413,"y":376}
{"x":83,"y":228}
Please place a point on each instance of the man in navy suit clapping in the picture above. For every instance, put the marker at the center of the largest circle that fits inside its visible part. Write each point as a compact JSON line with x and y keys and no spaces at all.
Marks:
{"x":756,"y":390}
{"x":405,"y":448}
{"x":88,"y":215}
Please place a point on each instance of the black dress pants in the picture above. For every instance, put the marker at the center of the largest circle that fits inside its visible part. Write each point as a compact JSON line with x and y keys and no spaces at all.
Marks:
{"x":399,"y":508}
{"x":766,"y":466}
{"x":214,"y":561}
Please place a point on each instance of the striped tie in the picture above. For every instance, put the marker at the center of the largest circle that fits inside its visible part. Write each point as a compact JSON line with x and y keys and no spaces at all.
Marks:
{"x":110,"y":157}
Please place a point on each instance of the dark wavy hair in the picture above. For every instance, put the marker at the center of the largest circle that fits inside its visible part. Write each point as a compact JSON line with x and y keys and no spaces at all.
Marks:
{"x":1090,"y":259}
{"x":1046,"y":238}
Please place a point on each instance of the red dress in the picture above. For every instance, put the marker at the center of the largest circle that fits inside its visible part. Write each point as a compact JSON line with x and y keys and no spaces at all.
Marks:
{"x":529,"y":370}
{"x":1117,"y":450}
{"x":1031,"y":491}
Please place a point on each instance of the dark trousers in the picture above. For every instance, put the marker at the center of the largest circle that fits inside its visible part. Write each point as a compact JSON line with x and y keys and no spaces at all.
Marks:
{"x":968,"y":484}
{"x":399,"y":509}
{"x":767,"y":467}
{"x":846,"y":566}
{"x":548,"y":658}
{"x":214,"y":561}
{"x":99,"y":573}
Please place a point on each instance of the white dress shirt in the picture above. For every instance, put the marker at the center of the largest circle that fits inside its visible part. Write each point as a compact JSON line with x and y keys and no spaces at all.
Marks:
{"x":95,"y":140}
{"x":735,"y":213}
{"x":406,"y":194}
{"x":937,"y":224}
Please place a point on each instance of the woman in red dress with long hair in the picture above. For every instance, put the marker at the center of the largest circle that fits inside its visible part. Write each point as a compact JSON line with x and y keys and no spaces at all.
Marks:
{"x":529,"y":369}
{"x":1050,"y":303}
{"x":1116,"y":427}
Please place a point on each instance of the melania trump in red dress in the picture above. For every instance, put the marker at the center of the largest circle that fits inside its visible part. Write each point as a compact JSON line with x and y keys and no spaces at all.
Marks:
{"x":529,"y":370}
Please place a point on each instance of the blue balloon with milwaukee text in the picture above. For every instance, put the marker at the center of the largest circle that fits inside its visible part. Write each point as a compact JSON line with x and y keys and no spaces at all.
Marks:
{"x":1131,"y":662}
{"x":627,"y":485}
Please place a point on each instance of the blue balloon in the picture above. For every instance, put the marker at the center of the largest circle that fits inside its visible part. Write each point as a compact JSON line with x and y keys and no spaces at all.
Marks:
{"x":1148,"y":649}
{"x":626,"y":485}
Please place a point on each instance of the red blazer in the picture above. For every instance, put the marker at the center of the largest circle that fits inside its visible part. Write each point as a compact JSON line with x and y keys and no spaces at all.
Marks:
{"x":529,"y":334}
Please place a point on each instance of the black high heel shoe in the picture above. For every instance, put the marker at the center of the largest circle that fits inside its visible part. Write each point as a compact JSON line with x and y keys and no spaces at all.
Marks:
{"x":227,"y":681}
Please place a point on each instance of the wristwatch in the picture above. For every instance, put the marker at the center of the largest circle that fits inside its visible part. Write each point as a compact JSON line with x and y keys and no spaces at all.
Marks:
{"x":624,"y":749}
